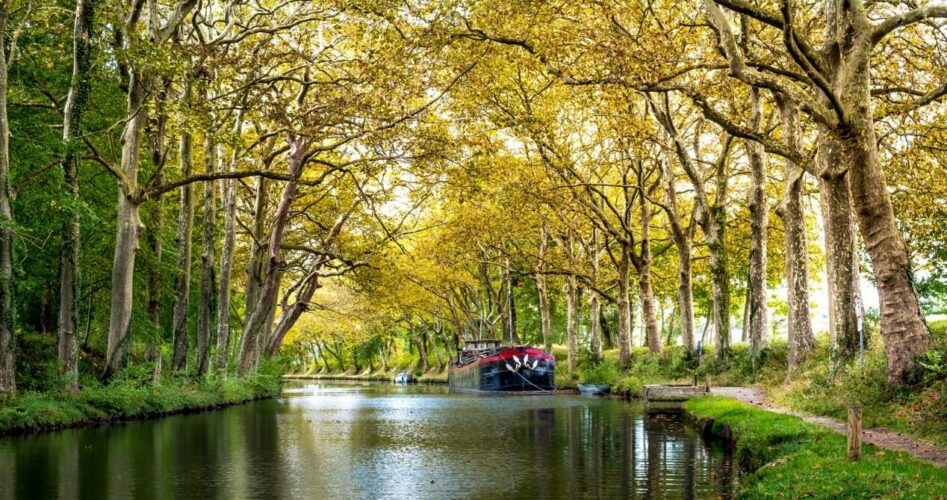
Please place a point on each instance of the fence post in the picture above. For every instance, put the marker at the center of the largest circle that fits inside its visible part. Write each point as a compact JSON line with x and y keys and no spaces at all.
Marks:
{"x":854,"y":432}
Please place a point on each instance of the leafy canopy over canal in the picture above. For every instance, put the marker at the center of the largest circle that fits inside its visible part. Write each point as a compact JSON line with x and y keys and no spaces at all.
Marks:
{"x":198,"y":187}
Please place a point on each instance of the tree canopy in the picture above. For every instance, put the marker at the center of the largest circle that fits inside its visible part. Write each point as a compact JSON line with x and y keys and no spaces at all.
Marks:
{"x":201,"y":185}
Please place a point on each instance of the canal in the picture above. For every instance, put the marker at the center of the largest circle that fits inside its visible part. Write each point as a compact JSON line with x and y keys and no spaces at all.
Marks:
{"x":372,"y":440}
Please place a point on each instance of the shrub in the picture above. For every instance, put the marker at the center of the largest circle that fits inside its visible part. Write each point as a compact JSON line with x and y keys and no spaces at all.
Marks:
{"x":629,"y":384}
{"x":37,"y":364}
{"x":601,"y":373}
{"x":935,"y":366}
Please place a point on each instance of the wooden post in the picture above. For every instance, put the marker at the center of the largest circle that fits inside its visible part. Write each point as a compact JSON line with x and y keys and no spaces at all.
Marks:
{"x":854,"y":433}
{"x":707,"y":381}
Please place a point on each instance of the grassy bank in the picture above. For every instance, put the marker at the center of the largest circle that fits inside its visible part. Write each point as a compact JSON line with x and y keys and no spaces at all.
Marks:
{"x":128,"y":399}
{"x":785,"y":457}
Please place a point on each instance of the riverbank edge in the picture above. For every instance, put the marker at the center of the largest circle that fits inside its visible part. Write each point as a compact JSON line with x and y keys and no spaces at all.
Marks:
{"x":441,"y":379}
{"x":37,"y":413}
{"x":434,"y":379}
{"x":783,"y":456}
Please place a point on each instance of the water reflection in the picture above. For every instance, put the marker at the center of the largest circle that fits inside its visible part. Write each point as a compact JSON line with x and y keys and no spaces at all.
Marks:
{"x":377,"y":441}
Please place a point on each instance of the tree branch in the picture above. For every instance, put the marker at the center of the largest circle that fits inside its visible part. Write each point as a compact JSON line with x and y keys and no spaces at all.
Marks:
{"x":914,"y":16}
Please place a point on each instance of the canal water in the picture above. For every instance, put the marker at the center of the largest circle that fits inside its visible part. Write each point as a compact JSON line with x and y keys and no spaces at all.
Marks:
{"x":354,"y":440}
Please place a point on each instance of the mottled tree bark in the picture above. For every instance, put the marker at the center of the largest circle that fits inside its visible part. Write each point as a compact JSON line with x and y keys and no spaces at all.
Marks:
{"x":290,"y":315}
{"x":607,"y":341}
{"x":227,"y":197}
{"x":571,"y":289}
{"x":903,"y":327}
{"x":595,"y":305}
{"x":205,"y":303}
{"x":76,"y":101}
{"x":841,"y":102}
{"x":839,"y":255}
{"x":128,"y":223}
{"x":155,"y":132}
{"x":128,"y":220}
{"x":256,"y":330}
{"x":719,"y":281}
{"x":850,"y":37}
{"x":757,"y":312}
{"x":712,"y":220}
{"x":595,"y":323}
{"x":182,"y":278}
{"x":682,"y":241}
{"x":544,"y":320}
{"x":572,"y":321}
{"x":799,"y":322}
{"x":645,"y":287}
{"x":255,"y":268}
{"x":624,"y":309}
{"x":7,"y":354}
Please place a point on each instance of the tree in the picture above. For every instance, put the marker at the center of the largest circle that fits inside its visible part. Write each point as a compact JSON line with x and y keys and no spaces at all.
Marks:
{"x":7,"y":356}
{"x":835,"y":91}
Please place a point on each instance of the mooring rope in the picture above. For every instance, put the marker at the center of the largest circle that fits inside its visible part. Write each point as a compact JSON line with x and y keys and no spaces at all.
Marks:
{"x":520,"y":375}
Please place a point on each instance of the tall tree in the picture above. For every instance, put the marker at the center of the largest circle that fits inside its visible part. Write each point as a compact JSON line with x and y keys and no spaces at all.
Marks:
{"x":128,"y":208}
{"x":835,"y":91}
{"x":182,"y":276}
{"x":7,"y":354}
{"x":207,"y":293}
{"x":76,"y":100}
{"x":799,"y":322}
{"x":757,"y":311}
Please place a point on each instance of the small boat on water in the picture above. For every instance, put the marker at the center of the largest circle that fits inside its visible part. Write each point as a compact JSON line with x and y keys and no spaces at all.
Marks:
{"x":487,"y":366}
{"x":404,"y":378}
{"x":595,"y":389}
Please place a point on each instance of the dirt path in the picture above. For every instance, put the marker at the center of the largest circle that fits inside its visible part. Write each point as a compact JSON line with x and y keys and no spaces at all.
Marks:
{"x":883,"y":438}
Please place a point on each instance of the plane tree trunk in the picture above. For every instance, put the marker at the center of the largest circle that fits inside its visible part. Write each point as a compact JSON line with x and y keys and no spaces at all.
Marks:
{"x":205,"y":303}
{"x":799,"y":322}
{"x":7,"y":354}
{"x":182,"y":277}
{"x":757,"y":313}
{"x":76,"y":100}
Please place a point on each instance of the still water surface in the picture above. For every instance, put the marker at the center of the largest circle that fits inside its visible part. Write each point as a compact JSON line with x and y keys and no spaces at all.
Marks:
{"x":352,"y":440}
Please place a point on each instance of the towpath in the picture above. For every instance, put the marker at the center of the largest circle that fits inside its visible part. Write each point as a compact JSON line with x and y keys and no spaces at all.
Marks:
{"x":880,"y":437}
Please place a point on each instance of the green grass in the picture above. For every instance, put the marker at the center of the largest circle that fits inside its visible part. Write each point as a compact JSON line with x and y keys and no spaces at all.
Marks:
{"x":126,"y":399}
{"x":786,"y":457}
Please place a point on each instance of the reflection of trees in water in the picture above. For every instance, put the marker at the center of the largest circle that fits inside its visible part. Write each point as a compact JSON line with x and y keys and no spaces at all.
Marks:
{"x":594,"y":448}
{"x":541,"y":432}
{"x":678,"y":460}
{"x":209,"y":455}
{"x":612,"y":450}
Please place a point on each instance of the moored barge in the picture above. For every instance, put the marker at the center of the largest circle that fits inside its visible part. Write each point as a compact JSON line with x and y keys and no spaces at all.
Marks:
{"x":487,"y":366}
